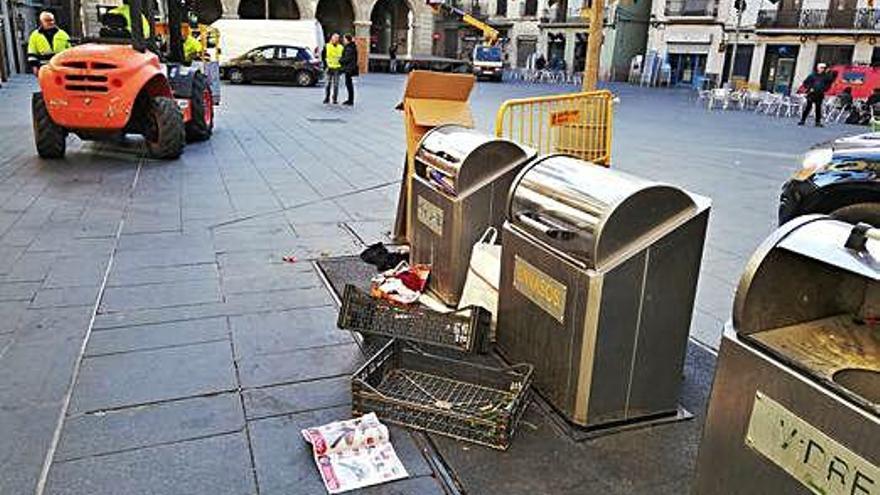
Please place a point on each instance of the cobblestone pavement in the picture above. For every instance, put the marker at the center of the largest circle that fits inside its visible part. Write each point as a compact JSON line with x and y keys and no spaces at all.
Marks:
{"x":153,"y":341}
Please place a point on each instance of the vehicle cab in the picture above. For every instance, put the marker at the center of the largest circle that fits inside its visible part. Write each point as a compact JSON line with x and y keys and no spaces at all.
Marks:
{"x":488,"y":62}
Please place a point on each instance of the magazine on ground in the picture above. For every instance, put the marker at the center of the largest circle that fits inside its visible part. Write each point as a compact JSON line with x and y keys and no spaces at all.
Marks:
{"x":354,"y":453}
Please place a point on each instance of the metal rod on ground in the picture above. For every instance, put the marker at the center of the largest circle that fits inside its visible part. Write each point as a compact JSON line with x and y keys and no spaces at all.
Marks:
{"x":595,"y":15}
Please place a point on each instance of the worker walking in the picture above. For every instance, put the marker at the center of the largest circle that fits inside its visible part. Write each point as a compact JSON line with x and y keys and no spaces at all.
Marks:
{"x":350,"y":68}
{"x":816,"y":85}
{"x":46,"y":41}
{"x":124,"y":10}
{"x":331,"y":56}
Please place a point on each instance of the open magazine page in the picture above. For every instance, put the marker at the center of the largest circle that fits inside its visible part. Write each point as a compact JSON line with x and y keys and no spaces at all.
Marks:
{"x":354,"y":453}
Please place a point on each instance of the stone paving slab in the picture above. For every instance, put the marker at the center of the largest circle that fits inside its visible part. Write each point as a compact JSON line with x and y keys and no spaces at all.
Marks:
{"x":144,"y":337}
{"x":119,"y":380}
{"x":297,"y":397}
{"x":274,"y":333}
{"x":217,"y":465}
{"x":102,"y":433}
{"x":162,"y":274}
{"x":179,"y":293}
{"x":299,"y":366}
{"x":65,"y":297}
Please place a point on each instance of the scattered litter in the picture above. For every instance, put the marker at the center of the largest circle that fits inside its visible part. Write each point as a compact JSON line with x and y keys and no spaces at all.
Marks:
{"x":402,"y":285}
{"x":289,"y":259}
{"x":379,"y":256}
{"x":354,"y":453}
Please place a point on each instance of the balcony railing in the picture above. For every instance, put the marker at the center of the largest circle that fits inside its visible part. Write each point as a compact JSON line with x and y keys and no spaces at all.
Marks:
{"x":691,"y":8}
{"x":819,"y":19}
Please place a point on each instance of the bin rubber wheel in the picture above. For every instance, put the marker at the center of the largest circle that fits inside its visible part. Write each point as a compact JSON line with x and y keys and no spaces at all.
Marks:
{"x":859,"y":212}
{"x":165,"y":135}
{"x":236,"y":76}
{"x":49,"y":137}
{"x":201,"y":105}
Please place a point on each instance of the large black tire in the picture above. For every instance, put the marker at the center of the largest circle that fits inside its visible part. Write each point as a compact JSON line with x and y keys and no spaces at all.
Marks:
{"x":859,"y":212}
{"x":50,"y":138}
{"x":164,"y":133}
{"x":305,"y":78}
{"x":201,"y":125}
{"x":236,"y":76}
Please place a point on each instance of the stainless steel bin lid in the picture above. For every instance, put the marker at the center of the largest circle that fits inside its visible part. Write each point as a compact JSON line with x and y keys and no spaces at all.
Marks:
{"x":803,"y":272}
{"x":588,"y":211}
{"x":468,"y":157}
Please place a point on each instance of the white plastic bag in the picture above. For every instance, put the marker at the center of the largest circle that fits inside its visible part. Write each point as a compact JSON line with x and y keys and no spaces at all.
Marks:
{"x":484,"y":276}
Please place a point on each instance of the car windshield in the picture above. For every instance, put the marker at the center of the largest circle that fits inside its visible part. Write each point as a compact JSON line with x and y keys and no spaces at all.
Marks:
{"x":487,"y":54}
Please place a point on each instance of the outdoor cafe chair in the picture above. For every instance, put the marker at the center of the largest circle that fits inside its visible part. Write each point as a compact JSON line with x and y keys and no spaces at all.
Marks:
{"x":718,"y":95}
{"x":790,"y":106}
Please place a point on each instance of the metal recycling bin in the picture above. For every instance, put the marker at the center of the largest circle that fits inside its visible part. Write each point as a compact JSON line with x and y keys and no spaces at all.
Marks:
{"x":598,"y":277}
{"x":459,"y":189}
{"x":795,"y":406}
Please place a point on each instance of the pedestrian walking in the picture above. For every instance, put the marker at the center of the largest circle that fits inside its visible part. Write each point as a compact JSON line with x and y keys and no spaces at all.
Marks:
{"x":816,"y":85}
{"x":392,"y":58}
{"x":331,"y":57}
{"x":349,"y":62}
{"x":45,"y":42}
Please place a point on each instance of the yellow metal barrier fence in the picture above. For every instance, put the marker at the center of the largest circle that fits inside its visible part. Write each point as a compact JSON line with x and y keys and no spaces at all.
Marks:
{"x":577,"y":124}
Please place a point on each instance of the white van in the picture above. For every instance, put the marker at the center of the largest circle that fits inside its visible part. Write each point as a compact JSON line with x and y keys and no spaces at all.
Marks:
{"x":238,"y":36}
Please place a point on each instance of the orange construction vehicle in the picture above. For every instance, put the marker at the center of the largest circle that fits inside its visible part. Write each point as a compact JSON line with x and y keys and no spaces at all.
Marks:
{"x":122,"y":83}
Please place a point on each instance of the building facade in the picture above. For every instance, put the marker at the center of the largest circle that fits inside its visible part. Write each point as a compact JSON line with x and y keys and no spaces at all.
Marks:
{"x":408,"y":23}
{"x":777,"y":45}
{"x":792,"y":37}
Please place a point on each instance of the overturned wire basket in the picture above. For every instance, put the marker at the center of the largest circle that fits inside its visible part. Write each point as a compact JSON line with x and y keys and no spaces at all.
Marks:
{"x":406,"y":386}
{"x":465,"y":330}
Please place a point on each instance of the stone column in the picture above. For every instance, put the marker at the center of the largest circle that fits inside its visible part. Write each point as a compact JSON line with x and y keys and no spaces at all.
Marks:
{"x":757,"y":67}
{"x":806,"y":59}
{"x":863,"y":52}
{"x":230,"y":9}
{"x":362,"y":38}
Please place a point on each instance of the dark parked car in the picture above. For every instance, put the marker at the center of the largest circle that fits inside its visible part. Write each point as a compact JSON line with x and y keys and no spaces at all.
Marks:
{"x":841,"y":178}
{"x":274,"y":63}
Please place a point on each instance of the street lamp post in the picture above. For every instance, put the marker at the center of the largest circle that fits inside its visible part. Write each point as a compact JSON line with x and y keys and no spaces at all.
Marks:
{"x":739,"y":5}
{"x":594,"y":43}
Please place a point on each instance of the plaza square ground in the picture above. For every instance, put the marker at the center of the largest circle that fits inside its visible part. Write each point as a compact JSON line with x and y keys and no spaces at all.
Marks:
{"x":146,"y":303}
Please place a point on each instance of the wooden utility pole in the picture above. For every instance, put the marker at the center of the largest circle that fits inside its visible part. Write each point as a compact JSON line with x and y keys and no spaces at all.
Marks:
{"x":596,"y":15}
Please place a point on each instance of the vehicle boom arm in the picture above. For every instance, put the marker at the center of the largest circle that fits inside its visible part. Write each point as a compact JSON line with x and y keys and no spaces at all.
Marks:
{"x":490,"y":34}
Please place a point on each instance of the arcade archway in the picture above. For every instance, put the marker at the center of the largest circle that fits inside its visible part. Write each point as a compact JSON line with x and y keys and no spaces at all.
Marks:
{"x":390,"y":23}
{"x":278,"y":9}
{"x":335,"y":16}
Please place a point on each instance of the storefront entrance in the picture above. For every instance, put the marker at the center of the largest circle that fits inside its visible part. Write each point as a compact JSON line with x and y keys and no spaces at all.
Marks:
{"x":686,"y":67}
{"x":779,"y":65}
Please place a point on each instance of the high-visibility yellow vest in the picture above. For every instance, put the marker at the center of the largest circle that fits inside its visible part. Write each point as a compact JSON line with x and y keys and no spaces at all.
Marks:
{"x":125,"y":11}
{"x":191,"y":48}
{"x":334,"y":53}
{"x":38,"y":43}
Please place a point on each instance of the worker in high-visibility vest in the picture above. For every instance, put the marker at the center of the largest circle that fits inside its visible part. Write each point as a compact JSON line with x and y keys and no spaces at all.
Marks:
{"x":192,"y":47}
{"x":331,"y":57}
{"x":125,"y":11}
{"x":46,"y":41}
